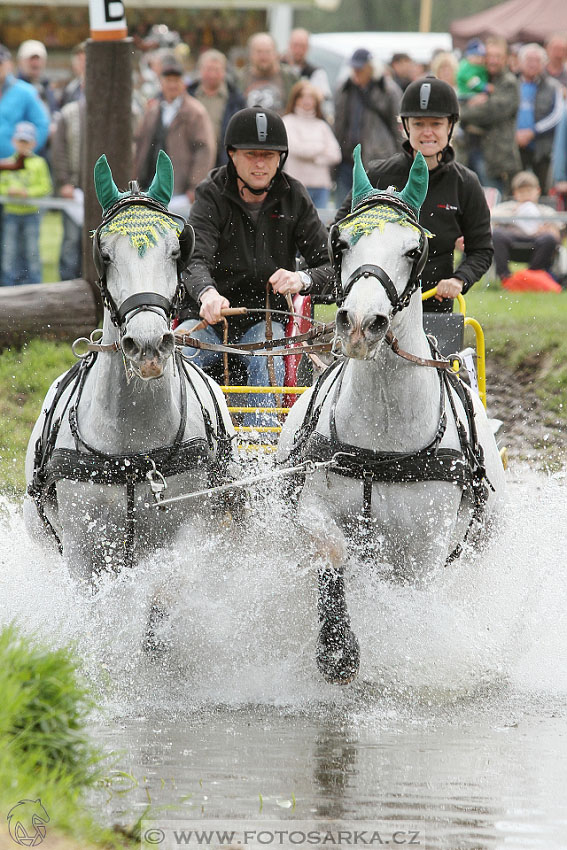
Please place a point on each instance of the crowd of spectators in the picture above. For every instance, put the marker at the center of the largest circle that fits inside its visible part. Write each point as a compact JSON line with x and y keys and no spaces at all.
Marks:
{"x":512,"y":99}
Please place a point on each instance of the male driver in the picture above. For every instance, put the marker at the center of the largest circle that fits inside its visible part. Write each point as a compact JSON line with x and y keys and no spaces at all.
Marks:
{"x":250,"y":221}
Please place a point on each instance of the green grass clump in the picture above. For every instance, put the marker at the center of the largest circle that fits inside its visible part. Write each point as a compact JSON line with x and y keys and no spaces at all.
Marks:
{"x":46,"y":752}
{"x":25,"y":377}
{"x":44,"y":707}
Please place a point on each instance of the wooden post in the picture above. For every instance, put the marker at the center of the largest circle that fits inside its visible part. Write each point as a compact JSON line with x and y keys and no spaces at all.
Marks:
{"x":425,"y":9}
{"x":108,"y":92}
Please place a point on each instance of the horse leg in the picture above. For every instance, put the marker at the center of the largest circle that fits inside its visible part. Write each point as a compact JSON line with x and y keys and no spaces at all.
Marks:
{"x":338,"y":650}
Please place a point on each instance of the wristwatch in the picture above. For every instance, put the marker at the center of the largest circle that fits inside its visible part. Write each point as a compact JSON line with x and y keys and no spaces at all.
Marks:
{"x":306,"y":280}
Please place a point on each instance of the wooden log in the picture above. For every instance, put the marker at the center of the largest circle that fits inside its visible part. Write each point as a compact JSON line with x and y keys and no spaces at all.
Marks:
{"x":64,"y":310}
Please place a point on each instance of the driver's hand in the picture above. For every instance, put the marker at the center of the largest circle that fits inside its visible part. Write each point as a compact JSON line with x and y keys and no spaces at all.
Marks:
{"x":212,"y":302}
{"x":449,"y":288}
{"x":285,"y":282}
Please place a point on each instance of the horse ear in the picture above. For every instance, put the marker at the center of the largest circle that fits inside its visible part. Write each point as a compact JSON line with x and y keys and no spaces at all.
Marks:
{"x":415,"y":190}
{"x":106,"y":189}
{"x":361,"y":185}
{"x":161,"y":188}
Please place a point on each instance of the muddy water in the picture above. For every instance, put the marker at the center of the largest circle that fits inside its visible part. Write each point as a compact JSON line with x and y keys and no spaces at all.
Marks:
{"x":454,"y":736}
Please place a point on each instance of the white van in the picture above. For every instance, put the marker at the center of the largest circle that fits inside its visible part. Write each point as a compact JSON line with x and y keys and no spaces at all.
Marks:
{"x":332,"y":50}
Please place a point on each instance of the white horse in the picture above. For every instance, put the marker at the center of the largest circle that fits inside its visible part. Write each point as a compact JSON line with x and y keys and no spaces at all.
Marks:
{"x":416,"y":467}
{"x":131,"y":415}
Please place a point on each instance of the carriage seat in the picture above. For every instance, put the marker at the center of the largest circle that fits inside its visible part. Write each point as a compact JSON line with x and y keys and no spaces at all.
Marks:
{"x":448,"y":329}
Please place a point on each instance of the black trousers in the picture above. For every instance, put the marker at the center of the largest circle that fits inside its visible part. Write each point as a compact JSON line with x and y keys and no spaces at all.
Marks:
{"x":544,"y":247}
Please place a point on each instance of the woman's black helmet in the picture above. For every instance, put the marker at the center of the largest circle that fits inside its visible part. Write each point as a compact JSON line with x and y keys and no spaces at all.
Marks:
{"x":430,"y":97}
{"x":256,"y":128}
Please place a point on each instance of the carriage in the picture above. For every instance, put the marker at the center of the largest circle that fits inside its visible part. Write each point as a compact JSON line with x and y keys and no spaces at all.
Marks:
{"x":386,"y":440}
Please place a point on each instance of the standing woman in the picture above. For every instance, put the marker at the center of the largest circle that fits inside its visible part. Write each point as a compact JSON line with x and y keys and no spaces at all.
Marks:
{"x":313,"y":148}
{"x":454,"y":206}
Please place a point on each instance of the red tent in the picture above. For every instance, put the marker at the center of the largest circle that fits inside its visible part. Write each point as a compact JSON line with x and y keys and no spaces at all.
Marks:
{"x":515,"y":20}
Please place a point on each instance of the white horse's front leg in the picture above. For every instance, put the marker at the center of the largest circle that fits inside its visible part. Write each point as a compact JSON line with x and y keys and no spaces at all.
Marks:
{"x":338,"y":651}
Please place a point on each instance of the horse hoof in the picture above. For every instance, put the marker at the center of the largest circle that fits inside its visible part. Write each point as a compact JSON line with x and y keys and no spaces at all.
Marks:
{"x":338,"y":653}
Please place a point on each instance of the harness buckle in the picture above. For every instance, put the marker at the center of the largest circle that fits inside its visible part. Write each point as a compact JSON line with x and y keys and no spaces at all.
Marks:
{"x":157,"y":483}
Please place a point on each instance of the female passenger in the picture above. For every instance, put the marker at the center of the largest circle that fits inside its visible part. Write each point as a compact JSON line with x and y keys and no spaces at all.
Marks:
{"x":455,"y":207}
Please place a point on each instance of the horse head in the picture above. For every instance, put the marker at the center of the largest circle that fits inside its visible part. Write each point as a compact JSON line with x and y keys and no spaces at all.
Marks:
{"x":139,"y":242}
{"x":378,"y":250}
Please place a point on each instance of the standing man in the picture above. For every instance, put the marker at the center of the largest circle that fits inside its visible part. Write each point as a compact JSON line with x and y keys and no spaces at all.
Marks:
{"x":540,"y":111}
{"x":32,"y":62}
{"x":296,"y":59}
{"x":366,"y":110}
{"x":179,"y":125}
{"x":492,"y":117}
{"x":18,"y":102}
{"x":218,"y":95}
{"x":556,"y":48}
{"x":264,"y":82}
{"x":250,"y":221}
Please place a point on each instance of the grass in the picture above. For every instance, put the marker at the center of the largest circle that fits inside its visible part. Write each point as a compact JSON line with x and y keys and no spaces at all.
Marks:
{"x":45,"y":751}
{"x":25,"y":377}
{"x":526,"y":334}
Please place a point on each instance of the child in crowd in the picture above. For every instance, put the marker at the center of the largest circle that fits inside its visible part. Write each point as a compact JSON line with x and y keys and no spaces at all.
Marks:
{"x":472,"y":76}
{"x":533,"y":225}
{"x":472,"y":79}
{"x":20,"y":231}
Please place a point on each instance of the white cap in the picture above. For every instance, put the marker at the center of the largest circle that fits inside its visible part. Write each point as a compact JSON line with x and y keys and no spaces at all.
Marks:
{"x":30,"y":48}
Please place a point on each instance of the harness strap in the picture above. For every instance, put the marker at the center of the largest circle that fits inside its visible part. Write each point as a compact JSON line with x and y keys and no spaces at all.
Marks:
{"x":370,"y":270}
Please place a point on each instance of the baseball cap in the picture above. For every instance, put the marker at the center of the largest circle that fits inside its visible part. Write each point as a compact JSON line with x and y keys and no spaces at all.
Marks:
{"x":475,"y":47}
{"x":4,"y":53}
{"x":171,"y":65}
{"x":25,"y":131}
{"x":30,"y":48}
{"x":360,"y":58}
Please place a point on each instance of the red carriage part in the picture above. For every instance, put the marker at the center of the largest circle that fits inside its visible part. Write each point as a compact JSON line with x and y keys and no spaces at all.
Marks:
{"x":296,"y":325}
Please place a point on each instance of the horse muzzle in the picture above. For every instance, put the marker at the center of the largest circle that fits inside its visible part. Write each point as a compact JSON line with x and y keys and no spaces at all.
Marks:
{"x":147,"y":360}
{"x":360,"y":336}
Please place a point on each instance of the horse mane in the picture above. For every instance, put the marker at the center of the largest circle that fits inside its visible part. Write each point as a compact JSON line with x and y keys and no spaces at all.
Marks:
{"x":143,"y":225}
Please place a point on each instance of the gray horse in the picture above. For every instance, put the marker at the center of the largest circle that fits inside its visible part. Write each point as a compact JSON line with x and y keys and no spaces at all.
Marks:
{"x":416,"y":467}
{"x":131,"y":415}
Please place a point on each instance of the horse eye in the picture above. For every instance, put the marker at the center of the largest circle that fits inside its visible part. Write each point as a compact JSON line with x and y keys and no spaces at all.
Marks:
{"x":412,"y":254}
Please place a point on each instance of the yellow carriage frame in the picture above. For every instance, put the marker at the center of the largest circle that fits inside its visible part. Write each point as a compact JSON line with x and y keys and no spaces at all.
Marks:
{"x":254,"y":445}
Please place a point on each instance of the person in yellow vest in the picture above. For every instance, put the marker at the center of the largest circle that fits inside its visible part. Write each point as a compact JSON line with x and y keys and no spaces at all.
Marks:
{"x":20,"y":232}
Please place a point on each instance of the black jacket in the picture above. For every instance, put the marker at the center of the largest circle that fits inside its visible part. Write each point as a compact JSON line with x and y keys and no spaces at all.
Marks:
{"x":237,"y":255}
{"x":455,"y":206}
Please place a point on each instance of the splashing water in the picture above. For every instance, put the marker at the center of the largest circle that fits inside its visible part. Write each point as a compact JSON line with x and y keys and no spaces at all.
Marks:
{"x":241,"y":613}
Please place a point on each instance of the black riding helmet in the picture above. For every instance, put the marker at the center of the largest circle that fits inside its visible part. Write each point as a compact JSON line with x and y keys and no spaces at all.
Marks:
{"x":430,"y":97}
{"x":256,"y":129}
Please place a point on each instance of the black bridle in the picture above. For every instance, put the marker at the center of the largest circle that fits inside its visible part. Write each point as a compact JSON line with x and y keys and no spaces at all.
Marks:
{"x":148,"y":301}
{"x":337,"y":246}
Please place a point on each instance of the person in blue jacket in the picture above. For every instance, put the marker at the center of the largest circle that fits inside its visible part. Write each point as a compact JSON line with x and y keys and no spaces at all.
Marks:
{"x":19,"y":101}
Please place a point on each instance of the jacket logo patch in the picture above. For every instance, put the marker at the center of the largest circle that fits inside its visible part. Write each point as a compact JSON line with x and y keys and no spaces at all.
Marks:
{"x":447,"y":207}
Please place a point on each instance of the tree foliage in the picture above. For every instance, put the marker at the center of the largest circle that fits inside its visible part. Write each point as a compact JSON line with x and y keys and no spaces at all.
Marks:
{"x":387,"y":15}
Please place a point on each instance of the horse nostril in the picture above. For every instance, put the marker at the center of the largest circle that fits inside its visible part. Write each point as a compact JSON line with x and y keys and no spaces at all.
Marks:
{"x":377,"y":326}
{"x":130,"y":347}
{"x":167,"y":345}
{"x":342,"y":321}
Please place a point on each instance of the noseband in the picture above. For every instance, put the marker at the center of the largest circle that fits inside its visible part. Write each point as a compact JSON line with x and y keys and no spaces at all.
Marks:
{"x":142,"y":301}
{"x":337,"y":246}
